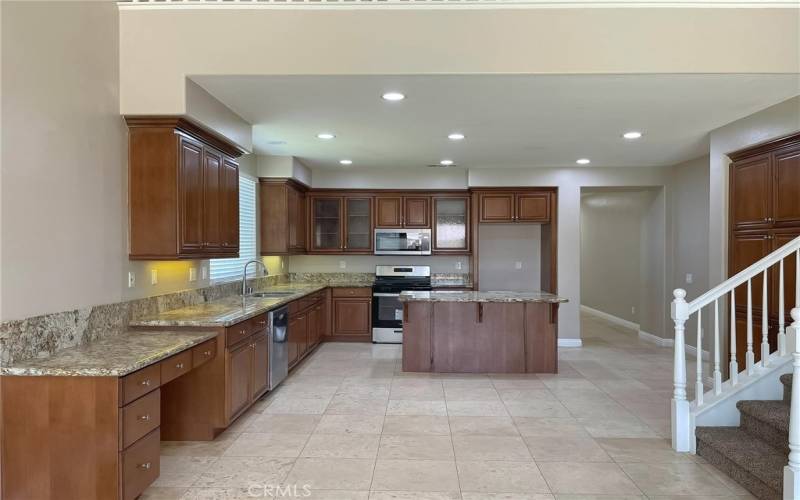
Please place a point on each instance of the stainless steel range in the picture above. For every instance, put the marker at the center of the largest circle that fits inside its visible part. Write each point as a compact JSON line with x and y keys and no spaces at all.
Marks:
{"x":387,"y":310}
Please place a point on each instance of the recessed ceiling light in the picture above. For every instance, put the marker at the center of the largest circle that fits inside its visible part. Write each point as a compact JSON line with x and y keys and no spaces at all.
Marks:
{"x":446,"y":163}
{"x":456,"y":136}
{"x":633,"y":134}
{"x":325,"y":135}
{"x":346,"y":162}
{"x":584,"y":161}
{"x":393,"y":96}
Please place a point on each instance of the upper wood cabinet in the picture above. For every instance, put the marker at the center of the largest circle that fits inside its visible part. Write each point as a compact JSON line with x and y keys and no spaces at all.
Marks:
{"x":340,"y":224}
{"x":397,"y":211}
{"x":786,"y":167}
{"x":183,"y":190}
{"x":282,"y":209}
{"x":524,"y":206}
{"x":358,"y":224}
{"x":451,"y":229}
{"x":326,"y":224}
{"x":751,"y":185}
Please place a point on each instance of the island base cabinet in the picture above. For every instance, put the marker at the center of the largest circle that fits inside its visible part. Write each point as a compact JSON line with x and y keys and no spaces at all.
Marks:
{"x":541,"y":338}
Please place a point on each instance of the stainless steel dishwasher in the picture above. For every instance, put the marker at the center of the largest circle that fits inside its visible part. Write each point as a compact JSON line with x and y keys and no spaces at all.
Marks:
{"x":278,"y":346}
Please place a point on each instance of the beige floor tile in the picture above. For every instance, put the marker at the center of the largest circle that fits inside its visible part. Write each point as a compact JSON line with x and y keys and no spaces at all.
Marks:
{"x":319,"y":494}
{"x":416,"y":425}
{"x":600,"y":497}
{"x":483,"y":426}
{"x":279,"y":423}
{"x":414,"y":407}
{"x":365,"y":391}
{"x":566,"y":449}
{"x":491,"y":448}
{"x":610,"y":409}
{"x":332,"y":473}
{"x":476,"y":408}
{"x":176,"y":479}
{"x":476,"y":382}
{"x":156,"y":493}
{"x":213,"y":448}
{"x":548,"y":427}
{"x":420,"y":447}
{"x":347,"y":405}
{"x":414,"y":495}
{"x":217,"y":494}
{"x":308,"y":391}
{"x":244,"y":472}
{"x":472,"y":495}
{"x":627,"y":427}
{"x":727,"y":496}
{"x":587,"y":478}
{"x":341,"y":446}
{"x":647,"y":450}
{"x":541,"y":408}
{"x":346,"y":424}
{"x":415,"y":475}
{"x":186,"y":464}
{"x":500,"y":477}
{"x":302,"y":406}
{"x":526,"y":395}
{"x":471,"y":394}
{"x":255,"y":444}
{"x":674,"y":479}
{"x":419,"y":393}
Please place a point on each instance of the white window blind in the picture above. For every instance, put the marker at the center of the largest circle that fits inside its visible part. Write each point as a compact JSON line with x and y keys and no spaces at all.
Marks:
{"x":229,"y":268}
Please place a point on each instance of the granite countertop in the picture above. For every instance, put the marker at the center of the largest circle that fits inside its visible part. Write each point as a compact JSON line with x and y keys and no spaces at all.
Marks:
{"x":451,"y":282}
{"x":231,"y":310}
{"x":110,"y":357}
{"x":467,"y":296}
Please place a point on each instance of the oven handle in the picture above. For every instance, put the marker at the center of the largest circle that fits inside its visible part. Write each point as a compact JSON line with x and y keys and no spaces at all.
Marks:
{"x":385,"y":294}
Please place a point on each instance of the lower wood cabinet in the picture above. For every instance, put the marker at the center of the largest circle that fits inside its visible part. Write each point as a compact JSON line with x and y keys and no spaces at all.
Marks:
{"x":306,"y":325}
{"x":352,"y":318}
{"x":247,"y":366}
{"x":240,"y":368}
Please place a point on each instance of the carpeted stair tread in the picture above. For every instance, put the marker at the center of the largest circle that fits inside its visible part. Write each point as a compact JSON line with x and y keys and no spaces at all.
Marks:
{"x":750,"y":461}
{"x":774,"y":413}
{"x":786,"y":380}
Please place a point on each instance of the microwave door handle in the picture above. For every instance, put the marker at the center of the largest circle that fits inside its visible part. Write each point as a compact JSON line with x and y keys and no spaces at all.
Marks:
{"x":385,"y":294}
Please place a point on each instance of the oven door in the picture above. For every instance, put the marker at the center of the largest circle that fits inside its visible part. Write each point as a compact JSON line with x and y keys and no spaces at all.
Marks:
{"x":387,"y":318}
{"x":402,"y":242}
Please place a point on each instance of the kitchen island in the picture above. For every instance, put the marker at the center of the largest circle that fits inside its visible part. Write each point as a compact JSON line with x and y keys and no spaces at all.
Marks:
{"x":480,"y":332}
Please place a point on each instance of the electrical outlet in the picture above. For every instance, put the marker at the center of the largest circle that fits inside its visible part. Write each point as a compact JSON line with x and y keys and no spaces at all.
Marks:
{"x":192,"y":274}
{"x":131,"y":279}
{"x":458,"y":265}
{"x":154,"y":276}
{"x":518,"y":265}
{"x":633,"y":310}
{"x":204,"y":272}
{"x":342,"y":264}
{"x":283,"y":264}
{"x":689,"y":278}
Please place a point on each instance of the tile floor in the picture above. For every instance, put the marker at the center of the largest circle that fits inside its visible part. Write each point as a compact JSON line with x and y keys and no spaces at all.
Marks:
{"x":349,"y":424}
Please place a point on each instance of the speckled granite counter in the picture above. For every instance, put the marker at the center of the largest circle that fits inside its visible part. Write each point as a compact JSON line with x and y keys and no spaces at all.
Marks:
{"x":499,"y":296}
{"x":110,"y":357}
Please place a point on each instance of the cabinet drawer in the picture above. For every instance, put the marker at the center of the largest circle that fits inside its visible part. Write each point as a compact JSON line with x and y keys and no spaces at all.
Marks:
{"x":240,"y":331}
{"x":204,"y":352}
{"x":140,"y":465}
{"x":140,"y":418}
{"x":175,"y":366}
{"x":139,"y":383}
{"x":352,"y":292}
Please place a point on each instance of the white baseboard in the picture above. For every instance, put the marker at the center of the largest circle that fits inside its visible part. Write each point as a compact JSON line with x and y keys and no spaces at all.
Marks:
{"x":610,"y":317}
{"x":570,"y":343}
{"x":655,"y":339}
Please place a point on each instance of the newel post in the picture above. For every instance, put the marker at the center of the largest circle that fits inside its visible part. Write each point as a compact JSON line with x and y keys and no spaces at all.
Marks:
{"x":791,"y":472}
{"x":681,"y":427}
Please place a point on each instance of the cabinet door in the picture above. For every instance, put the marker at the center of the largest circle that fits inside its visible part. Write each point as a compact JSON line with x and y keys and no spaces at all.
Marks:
{"x":260,"y":365}
{"x":230,"y":206}
{"x":533,"y":207}
{"x":352,"y":316}
{"x":751,"y":193}
{"x":291,"y":342}
{"x":786,"y":165}
{"x":292,"y":216}
{"x":212,"y":200}
{"x":191,"y":196}
{"x":358,"y":225}
{"x":416,"y":211}
{"x":497,"y":207}
{"x":326,"y":224}
{"x":781,"y":238}
{"x":456,"y":346}
{"x":300,"y":223}
{"x":501,"y":333}
{"x":313,"y":326}
{"x":451,"y":225}
{"x":389,"y":211}
{"x":747,"y":248}
{"x":240,"y":369}
{"x":298,"y":336}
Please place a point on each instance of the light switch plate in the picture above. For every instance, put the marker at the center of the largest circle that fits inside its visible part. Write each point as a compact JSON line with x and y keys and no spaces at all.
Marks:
{"x":518,"y":265}
{"x":154,"y":276}
{"x":204,"y":272}
{"x":689,"y":278}
{"x":131,"y":279}
{"x":192,"y":274}
{"x":342,"y":264}
{"x":458,"y":265}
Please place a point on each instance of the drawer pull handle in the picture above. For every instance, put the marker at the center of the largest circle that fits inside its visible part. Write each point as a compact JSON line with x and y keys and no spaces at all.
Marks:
{"x":145,"y":382}
{"x":262,"y":322}
{"x":242,"y":332}
{"x":144,"y":466}
{"x":179,"y":366}
{"x":145,"y":418}
{"x":206,"y":353}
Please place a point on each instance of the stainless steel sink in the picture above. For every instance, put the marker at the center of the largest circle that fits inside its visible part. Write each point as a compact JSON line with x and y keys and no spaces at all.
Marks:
{"x":271,"y":295}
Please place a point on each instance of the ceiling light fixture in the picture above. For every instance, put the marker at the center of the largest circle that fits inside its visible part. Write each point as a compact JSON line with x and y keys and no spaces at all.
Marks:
{"x":346,"y":162}
{"x":633,"y":134}
{"x":393,"y":96}
{"x":446,"y":163}
{"x":583,"y":161}
{"x":455,"y":136}
{"x":325,"y":135}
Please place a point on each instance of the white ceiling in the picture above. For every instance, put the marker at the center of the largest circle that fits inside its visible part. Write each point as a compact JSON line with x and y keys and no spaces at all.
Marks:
{"x":509,"y":120}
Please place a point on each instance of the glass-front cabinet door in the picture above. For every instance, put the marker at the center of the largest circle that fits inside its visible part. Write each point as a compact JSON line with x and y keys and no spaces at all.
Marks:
{"x":326,"y":224}
{"x":451,"y":224}
{"x":358,"y":225}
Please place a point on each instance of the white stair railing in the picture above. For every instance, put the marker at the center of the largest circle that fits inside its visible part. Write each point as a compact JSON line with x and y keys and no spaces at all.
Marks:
{"x":681,"y":312}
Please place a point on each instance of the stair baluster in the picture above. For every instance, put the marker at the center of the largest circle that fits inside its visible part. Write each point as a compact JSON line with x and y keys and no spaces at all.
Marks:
{"x":749,"y":356}
{"x":781,"y":319}
{"x":764,"y":322}
{"x":717,"y":372}
{"x":698,"y":384}
{"x":733,"y":369}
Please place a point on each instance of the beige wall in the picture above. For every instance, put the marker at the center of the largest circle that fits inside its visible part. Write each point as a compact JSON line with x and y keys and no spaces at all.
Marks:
{"x":396,"y":178}
{"x":501,"y":247}
{"x":367,"y":263}
{"x":208,"y":111}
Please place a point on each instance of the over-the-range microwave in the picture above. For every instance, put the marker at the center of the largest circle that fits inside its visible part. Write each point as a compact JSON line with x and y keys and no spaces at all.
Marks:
{"x":402,"y":242}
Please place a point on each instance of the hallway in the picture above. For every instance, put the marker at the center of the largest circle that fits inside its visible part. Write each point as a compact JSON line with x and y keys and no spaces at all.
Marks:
{"x":350,"y":425}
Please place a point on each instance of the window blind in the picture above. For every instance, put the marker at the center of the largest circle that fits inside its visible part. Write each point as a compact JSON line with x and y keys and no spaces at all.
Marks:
{"x":230,"y":268}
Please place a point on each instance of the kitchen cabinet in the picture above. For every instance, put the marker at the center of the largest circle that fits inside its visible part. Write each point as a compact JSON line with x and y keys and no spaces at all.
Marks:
{"x":240,"y":371}
{"x":358,"y":224}
{"x":398,"y":211}
{"x":282,"y":208}
{"x":507,"y":207}
{"x":246,"y":364}
{"x":326,"y":224}
{"x":451,"y":225}
{"x":351,"y":313}
{"x":305,"y":326}
{"x":181,"y":190}
{"x":341,"y":224}
{"x":751,"y":185}
{"x":260,"y":372}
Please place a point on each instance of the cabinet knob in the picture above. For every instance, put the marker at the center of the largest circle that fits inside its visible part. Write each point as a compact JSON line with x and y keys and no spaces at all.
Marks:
{"x":206,"y":353}
{"x":145,"y":382}
{"x":144,"y":418}
{"x":262,"y":322}
{"x":179,"y":366}
{"x":242,"y":332}
{"x":144,"y":466}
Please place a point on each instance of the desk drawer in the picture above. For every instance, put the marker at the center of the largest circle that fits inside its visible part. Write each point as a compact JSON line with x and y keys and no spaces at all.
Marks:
{"x":140,"y":418}
{"x":351,"y":292}
{"x":139,"y":383}
{"x":175,"y":366}
{"x":204,"y":352}
{"x":140,"y":465}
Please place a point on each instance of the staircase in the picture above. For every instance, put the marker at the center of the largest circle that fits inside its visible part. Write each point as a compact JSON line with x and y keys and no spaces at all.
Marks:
{"x":755,"y":453}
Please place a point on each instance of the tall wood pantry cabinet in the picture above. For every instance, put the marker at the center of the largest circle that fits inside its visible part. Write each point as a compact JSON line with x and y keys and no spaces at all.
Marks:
{"x":764,"y":215}
{"x":183,"y":190}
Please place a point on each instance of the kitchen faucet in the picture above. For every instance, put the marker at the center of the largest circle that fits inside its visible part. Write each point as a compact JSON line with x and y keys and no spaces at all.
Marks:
{"x":244,"y":274}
